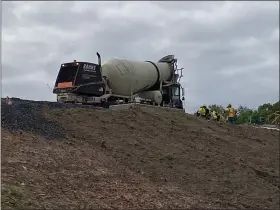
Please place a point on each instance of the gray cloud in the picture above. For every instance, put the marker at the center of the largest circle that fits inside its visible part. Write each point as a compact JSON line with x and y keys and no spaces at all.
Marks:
{"x":230,"y":50}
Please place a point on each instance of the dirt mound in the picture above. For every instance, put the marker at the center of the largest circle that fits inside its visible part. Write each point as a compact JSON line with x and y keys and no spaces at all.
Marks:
{"x":57,"y":156}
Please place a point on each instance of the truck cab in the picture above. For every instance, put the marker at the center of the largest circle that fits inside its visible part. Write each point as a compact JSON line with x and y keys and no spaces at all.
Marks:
{"x":171,"y":95}
{"x":79,"y":78}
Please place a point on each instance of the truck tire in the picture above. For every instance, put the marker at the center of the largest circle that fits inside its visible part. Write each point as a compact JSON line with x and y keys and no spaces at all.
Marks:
{"x":106,"y":105}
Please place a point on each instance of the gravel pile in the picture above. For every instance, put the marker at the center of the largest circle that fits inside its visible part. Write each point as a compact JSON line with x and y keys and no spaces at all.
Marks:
{"x":27,"y":115}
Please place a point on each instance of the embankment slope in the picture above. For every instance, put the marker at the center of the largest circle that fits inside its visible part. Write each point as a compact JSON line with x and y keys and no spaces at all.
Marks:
{"x":58,"y":156}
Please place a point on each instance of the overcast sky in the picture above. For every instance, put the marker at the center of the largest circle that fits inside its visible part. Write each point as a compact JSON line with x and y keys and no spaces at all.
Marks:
{"x":230,"y":50}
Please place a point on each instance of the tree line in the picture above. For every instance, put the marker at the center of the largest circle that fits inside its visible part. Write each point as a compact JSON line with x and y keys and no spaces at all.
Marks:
{"x":266,"y":113}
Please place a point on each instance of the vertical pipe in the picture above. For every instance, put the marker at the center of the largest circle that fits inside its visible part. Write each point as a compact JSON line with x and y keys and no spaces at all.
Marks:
{"x":131,"y":95}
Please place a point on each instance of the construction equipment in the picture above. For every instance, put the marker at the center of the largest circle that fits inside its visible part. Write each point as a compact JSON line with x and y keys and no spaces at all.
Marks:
{"x":120,"y":81}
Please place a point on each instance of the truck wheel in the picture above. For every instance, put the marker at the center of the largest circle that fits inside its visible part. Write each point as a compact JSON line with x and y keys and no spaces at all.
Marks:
{"x":106,"y":105}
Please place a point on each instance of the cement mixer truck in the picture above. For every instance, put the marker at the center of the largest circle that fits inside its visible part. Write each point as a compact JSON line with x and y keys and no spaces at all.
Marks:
{"x":120,"y":81}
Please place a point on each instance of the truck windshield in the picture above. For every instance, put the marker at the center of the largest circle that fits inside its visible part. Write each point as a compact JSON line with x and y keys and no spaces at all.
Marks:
{"x":67,"y":74}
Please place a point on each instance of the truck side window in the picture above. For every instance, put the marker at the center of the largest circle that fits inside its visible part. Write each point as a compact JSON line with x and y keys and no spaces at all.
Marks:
{"x":175,"y":91}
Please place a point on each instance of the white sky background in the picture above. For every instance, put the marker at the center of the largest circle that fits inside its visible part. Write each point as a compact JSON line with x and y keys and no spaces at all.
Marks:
{"x":230,"y":50}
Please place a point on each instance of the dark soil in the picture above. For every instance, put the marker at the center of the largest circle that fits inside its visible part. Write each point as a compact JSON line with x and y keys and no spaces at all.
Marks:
{"x":64,"y":156}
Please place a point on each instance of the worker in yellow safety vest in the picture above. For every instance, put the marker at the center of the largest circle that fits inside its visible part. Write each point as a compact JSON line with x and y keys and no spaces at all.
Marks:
{"x":230,"y":114}
{"x":215,"y":115}
{"x":201,"y":111}
{"x":207,"y":113}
